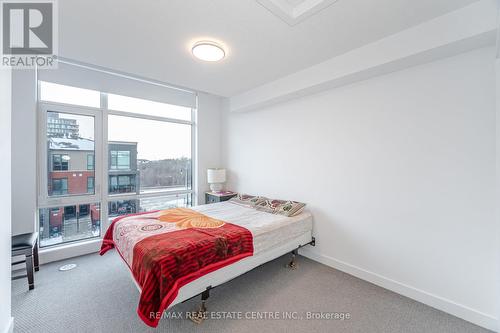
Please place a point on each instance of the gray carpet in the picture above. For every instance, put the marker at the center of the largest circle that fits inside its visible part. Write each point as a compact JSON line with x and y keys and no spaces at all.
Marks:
{"x":99,"y":296}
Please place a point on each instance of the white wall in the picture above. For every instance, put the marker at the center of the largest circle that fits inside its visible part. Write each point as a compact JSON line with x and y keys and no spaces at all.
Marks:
{"x":497,"y":62}
{"x":208,"y":123}
{"x":399,"y":172}
{"x":498,"y":168}
{"x":5,"y":200}
{"x":24,"y":133}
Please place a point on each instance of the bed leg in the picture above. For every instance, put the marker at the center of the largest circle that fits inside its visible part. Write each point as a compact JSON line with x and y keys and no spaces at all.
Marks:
{"x":199,"y":316}
{"x":293,"y":264}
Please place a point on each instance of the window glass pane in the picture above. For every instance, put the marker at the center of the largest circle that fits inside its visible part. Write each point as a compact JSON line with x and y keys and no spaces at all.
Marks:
{"x":70,"y":142}
{"x":60,"y":162}
{"x":123,"y":207}
{"x":90,"y":162}
{"x":90,"y":185}
{"x":166,"y":202}
{"x":69,"y":223}
{"x":122,"y":184}
{"x":123,"y":160}
{"x":148,"y":155}
{"x":119,"y":160}
{"x":59,"y":93}
{"x":59,"y":186}
{"x":144,"y":106}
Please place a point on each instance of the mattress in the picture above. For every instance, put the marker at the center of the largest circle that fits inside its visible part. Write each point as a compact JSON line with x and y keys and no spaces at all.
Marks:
{"x":268,"y":230}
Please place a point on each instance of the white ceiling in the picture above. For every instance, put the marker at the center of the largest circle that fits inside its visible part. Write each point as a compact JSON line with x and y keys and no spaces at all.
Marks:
{"x":152,"y":38}
{"x":295,"y":2}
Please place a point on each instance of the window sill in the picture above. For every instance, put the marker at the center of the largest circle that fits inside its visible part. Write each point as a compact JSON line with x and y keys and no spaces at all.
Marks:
{"x":66,"y":251}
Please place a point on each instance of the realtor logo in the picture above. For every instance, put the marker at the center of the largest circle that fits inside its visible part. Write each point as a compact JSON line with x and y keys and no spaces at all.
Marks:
{"x":28,"y":34}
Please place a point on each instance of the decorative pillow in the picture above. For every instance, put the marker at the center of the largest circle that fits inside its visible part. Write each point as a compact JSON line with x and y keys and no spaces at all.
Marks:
{"x":281,"y":207}
{"x":246,"y":200}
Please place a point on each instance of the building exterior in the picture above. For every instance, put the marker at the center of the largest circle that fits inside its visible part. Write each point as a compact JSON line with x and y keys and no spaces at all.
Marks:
{"x":70,"y":166}
{"x":122,"y":166}
{"x":61,"y":127}
{"x":123,"y":173}
{"x":71,"y":171}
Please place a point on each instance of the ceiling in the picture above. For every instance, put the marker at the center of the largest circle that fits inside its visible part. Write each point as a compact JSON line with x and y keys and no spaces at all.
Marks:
{"x":152,"y":38}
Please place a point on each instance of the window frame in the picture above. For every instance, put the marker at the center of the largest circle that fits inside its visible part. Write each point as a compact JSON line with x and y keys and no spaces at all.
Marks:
{"x":44,"y":200}
{"x":101,"y":194}
{"x":194,"y":166}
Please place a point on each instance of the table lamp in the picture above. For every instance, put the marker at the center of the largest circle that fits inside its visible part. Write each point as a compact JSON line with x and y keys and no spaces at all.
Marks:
{"x":216,"y":177}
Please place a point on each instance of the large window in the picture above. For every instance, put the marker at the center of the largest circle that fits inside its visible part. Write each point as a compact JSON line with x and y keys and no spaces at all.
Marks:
{"x":149,"y":108}
{"x":64,"y":224}
{"x":52,"y":92}
{"x":70,"y":139}
{"x":161,"y":151}
{"x":122,"y":207}
{"x":141,"y":160}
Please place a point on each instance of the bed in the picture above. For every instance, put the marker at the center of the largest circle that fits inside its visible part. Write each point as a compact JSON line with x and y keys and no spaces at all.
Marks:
{"x":272,"y":235}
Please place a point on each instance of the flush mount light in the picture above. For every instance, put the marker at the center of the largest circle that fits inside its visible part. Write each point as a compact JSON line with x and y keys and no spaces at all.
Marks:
{"x":208,"y":51}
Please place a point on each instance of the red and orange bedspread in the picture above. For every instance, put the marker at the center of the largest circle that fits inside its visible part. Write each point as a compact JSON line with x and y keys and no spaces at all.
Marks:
{"x":167,"y":249}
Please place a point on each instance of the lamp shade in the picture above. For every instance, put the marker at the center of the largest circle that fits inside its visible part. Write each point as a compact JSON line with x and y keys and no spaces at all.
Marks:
{"x":216,"y":176}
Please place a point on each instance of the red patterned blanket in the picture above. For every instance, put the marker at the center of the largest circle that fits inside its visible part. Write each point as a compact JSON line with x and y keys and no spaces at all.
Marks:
{"x":167,"y":249}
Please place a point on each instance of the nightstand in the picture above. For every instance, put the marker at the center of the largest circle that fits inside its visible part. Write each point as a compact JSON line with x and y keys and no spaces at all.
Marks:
{"x":213,"y":197}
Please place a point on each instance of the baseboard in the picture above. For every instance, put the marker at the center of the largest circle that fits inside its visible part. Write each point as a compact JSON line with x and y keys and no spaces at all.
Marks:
{"x":440,"y":303}
{"x":9,"y":328}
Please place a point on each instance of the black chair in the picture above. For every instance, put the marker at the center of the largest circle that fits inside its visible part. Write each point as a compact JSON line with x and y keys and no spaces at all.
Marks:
{"x":26,"y":245}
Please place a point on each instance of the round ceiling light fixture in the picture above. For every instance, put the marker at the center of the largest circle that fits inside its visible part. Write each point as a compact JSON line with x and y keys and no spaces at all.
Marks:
{"x":208,"y":51}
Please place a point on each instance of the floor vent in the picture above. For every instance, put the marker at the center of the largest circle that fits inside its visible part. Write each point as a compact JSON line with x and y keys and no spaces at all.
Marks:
{"x":67,"y":267}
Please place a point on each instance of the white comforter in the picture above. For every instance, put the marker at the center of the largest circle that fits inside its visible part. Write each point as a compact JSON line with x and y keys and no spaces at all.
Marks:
{"x":268,"y":230}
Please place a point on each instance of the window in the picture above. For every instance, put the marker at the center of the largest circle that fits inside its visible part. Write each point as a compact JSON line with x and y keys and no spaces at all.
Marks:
{"x":60,"y":162}
{"x":145,"y":107}
{"x":60,"y":186}
{"x":64,"y":224}
{"x":70,"y":141}
{"x":165,"y":202}
{"x":123,"y":207}
{"x":59,"y":93}
{"x":162,"y":149}
{"x":120,"y":160}
{"x":90,"y":185}
{"x":90,"y":162}
{"x":147,"y":166}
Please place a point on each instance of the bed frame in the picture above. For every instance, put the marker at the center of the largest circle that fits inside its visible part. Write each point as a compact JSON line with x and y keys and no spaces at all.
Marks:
{"x":203,"y":285}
